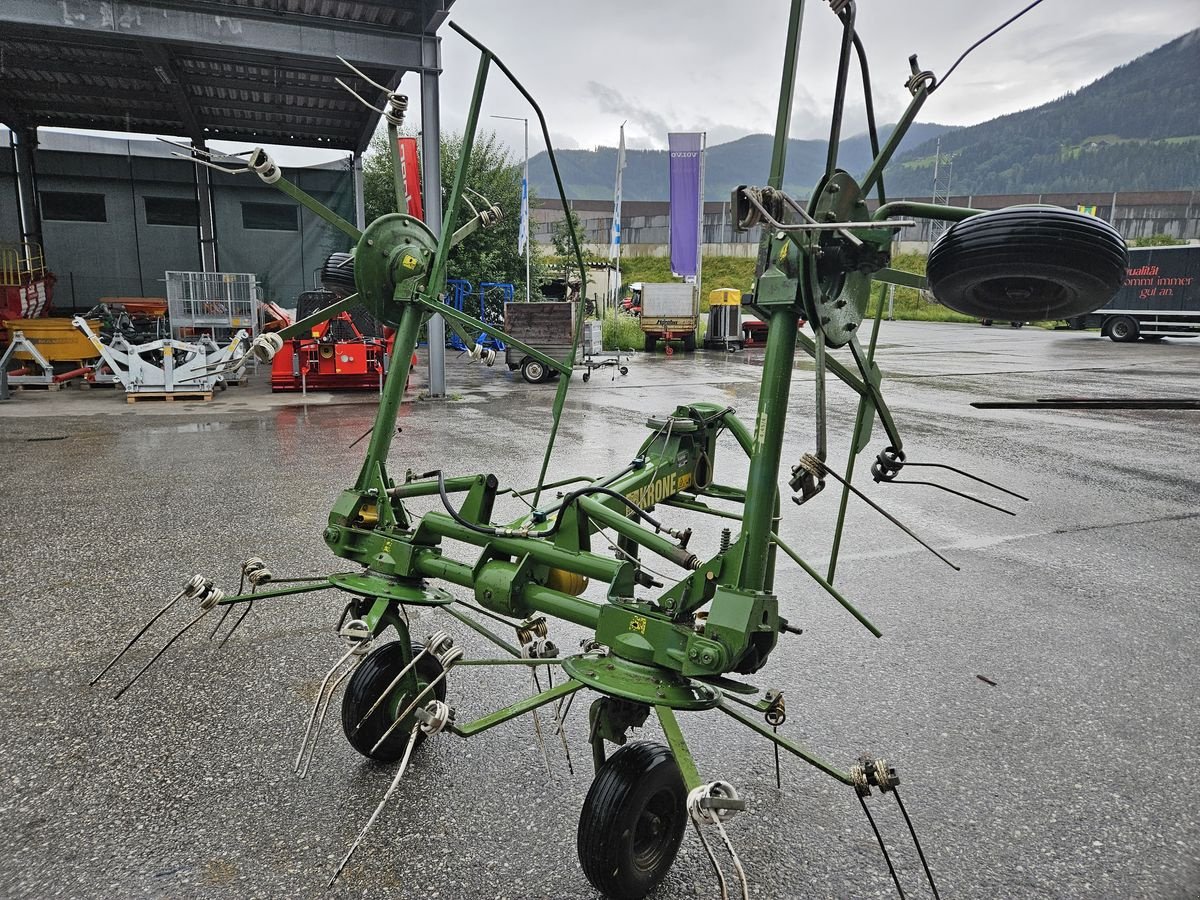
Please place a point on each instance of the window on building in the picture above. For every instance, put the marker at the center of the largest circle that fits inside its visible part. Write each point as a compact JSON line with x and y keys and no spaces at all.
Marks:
{"x":68,"y":206}
{"x":269,"y":216}
{"x":172,"y":211}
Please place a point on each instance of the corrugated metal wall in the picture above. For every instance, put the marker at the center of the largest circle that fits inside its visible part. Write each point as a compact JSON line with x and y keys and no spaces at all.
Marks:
{"x":127,"y":254}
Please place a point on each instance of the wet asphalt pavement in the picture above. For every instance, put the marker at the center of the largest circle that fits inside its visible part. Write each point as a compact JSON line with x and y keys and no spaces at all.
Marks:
{"x":1068,"y":773}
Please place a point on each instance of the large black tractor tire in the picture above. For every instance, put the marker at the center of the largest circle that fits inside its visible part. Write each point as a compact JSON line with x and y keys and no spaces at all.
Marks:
{"x":689,"y":342}
{"x":632,"y":821}
{"x":368,"y":682}
{"x":651,"y":343}
{"x":1028,"y":264}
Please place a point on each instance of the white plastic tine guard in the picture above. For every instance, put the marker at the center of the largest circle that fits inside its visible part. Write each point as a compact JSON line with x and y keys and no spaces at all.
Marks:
{"x":265,"y":346}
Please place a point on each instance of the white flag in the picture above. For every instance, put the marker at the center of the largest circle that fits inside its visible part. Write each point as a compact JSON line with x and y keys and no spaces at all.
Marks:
{"x":616,"y":224}
{"x":523,"y":231}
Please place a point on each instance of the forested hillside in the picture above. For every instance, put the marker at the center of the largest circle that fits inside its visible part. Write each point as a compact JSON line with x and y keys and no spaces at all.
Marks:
{"x":1137,"y":128}
{"x":589,"y":174}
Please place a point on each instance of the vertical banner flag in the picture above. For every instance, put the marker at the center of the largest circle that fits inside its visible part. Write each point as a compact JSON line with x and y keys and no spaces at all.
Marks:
{"x":523,"y":229}
{"x":410,"y":175}
{"x":684,"y":155}
{"x":615,"y":252}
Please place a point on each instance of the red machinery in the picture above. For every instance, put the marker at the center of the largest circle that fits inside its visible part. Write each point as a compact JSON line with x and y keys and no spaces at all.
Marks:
{"x":26,"y":287}
{"x":337,"y":356}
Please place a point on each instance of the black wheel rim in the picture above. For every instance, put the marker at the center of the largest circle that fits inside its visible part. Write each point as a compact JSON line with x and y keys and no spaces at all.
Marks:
{"x":653,"y":831}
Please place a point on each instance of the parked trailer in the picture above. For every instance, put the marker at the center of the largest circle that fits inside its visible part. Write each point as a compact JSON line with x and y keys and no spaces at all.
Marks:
{"x":1160,"y":297}
{"x":669,"y":312}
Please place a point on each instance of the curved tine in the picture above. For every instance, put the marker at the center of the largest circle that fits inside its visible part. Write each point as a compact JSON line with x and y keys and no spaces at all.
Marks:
{"x":221,"y":621}
{"x":358,"y":96}
{"x":180,"y":633}
{"x":963,"y":494}
{"x":312,"y":745}
{"x":212,"y":165}
{"x":966,"y":474}
{"x":391,"y":687}
{"x":359,"y":73}
{"x":887,"y":515}
{"x":313,"y":717}
{"x":237,"y":624}
{"x":737,"y":863}
{"x":412,"y":742}
{"x":477,"y":194}
{"x":404,"y":715}
{"x":154,"y":618}
{"x":917,"y":844}
{"x":712,"y":858}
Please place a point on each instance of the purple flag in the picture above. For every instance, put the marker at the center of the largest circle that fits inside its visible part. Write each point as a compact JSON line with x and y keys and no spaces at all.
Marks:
{"x":685,"y":150}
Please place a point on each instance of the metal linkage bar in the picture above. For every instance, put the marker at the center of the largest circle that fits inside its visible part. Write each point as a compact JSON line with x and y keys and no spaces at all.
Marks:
{"x":517,"y":709}
{"x":795,"y":749}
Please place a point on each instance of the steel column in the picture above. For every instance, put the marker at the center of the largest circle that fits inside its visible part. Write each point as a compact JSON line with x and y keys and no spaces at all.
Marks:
{"x":360,"y":204}
{"x":25,"y":150}
{"x":208,"y":227}
{"x":431,"y":187}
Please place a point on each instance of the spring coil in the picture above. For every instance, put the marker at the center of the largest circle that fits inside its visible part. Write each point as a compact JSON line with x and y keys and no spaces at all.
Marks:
{"x":887,"y":464}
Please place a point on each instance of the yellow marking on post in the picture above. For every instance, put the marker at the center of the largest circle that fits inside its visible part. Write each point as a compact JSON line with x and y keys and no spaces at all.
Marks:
{"x":638,"y":624}
{"x":409,"y":262}
{"x":684,"y":481}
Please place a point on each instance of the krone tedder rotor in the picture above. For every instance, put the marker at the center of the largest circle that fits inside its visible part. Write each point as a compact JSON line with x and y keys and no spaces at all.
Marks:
{"x":662,"y":652}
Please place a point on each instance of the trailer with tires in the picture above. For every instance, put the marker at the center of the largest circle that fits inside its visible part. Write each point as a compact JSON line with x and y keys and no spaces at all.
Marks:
{"x":670,"y":312}
{"x":1159,"y":298}
{"x":548,"y":327}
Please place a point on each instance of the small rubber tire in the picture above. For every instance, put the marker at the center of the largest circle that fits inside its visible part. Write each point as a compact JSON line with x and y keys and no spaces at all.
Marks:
{"x":587,"y":376}
{"x":689,"y":343}
{"x":986,"y":323}
{"x":651,"y":343}
{"x":1016,"y":324}
{"x":632,"y":821}
{"x":624,"y":370}
{"x":1027,"y":263}
{"x":532,"y":370}
{"x":1124,"y":329}
{"x":337,"y":275}
{"x":370,"y":680}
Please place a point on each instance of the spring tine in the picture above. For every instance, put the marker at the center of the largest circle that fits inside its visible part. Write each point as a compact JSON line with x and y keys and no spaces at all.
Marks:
{"x":400,"y":718}
{"x":312,"y":745}
{"x":917,"y":844}
{"x":778,"y":780}
{"x":221,"y":621}
{"x":878,"y":837}
{"x":887,"y":515}
{"x":313,"y":717}
{"x":737,"y":863}
{"x":180,"y":633}
{"x":558,"y":724}
{"x":412,"y":740}
{"x":240,"y":619}
{"x":359,"y":73}
{"x":712,"y":858}
{"x":358,"y":96}
{"x":537,"y":723}
{"x":391,"y":687}
{"x":967,"y":474}
{"x":964,"y":495}
{"x":154,"y":618}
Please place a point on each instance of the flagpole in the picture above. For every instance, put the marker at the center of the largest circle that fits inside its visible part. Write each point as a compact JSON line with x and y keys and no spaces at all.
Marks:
{"x":528,"y":211}
{"x":700,"y":218}
{"x":617,"y":216}
{"x":524,"y":199}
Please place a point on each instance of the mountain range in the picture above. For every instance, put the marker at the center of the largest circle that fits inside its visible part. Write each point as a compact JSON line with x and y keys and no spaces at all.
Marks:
{"x":1136,"y":128}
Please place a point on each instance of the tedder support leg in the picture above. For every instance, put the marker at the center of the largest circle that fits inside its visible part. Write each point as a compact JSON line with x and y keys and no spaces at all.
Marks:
{"x":679,"y":747}
{"x":393,"y":394}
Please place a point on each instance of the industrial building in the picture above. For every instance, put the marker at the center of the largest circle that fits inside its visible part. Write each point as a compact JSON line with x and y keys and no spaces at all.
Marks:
{"x":117,"y":214}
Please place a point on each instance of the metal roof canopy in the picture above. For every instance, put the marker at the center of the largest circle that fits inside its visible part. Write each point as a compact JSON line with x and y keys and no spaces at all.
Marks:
{"x":246,"y":70}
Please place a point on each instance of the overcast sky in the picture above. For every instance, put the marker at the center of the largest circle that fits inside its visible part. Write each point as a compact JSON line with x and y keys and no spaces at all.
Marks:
{"x":703,"y":65}
{"x":714,"y":65}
